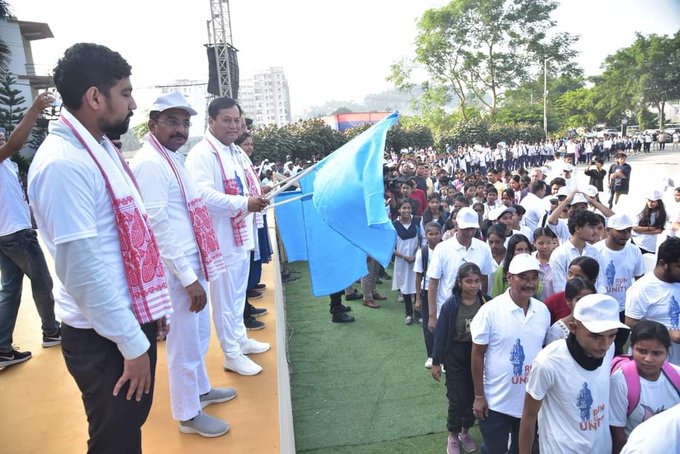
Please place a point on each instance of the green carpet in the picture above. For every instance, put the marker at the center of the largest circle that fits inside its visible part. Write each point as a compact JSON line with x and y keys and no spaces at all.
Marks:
{"x":360,"y":387}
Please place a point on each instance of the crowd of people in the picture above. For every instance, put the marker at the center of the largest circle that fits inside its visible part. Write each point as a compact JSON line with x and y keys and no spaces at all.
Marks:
{"x":526,"y":284}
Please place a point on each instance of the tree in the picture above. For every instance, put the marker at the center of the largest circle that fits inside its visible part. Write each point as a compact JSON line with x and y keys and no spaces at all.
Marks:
{"x":475,"y":51}
{"x":11,"y":110}
{"x":645,"y":74}
{"x":4,"y":49}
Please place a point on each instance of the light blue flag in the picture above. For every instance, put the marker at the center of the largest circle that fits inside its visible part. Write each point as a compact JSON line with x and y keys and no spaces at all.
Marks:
{"x":334,"y":263}
{"x":349,"y":193}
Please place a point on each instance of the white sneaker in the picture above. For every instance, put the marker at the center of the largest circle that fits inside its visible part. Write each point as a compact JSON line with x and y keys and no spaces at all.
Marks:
{"x":242,"y":365}
{"x":428,"y":363}
{"x":409,"y":320}
{"x":204,"y":425}
{"x":253,"y":346}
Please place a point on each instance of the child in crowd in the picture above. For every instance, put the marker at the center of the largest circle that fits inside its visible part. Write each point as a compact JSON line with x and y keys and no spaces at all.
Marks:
{"x":433,"y":212}
{"x":408,"y":241}
{"x":433,"y":234}
{"x":576,"y":289}
{"x":518,"y":244}
{"x":496,"y":239}
{"x":544,"y":243}
{"x":453,"y":349}
{"x":583,"y":267}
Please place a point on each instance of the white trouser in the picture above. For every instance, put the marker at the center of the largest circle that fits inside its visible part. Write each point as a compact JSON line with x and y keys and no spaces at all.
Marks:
{"x":187,"y":345}
{"x":228,"y":299}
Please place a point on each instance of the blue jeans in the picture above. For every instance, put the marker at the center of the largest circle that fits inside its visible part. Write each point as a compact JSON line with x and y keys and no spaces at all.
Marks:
{"x":20,"y":255}
{"x":496,"y":429}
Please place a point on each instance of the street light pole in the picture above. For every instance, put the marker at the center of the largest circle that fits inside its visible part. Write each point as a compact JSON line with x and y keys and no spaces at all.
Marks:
{"x":545,"y":96}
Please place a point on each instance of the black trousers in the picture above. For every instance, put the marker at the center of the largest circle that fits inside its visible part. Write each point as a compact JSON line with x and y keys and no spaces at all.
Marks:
{"x":459,"y":388}
{"x":115,"y":424}
{"x":425,"y":310}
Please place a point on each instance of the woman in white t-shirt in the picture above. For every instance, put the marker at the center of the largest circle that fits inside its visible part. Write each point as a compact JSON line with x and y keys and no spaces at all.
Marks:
{"x":650,"y":343}
{"x":651,"y":223}
{"x":575,"y":289}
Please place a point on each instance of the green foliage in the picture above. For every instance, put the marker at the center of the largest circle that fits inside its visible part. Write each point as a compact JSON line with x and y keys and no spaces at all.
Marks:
{"x":140,"y":130}
{"x":11,"y":100}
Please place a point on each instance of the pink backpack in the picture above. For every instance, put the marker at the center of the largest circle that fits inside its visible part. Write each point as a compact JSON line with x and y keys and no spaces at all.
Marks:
{"x":630,"y":374}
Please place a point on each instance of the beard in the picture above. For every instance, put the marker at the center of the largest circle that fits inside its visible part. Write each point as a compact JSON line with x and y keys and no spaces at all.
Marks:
{"x":119,"y":128}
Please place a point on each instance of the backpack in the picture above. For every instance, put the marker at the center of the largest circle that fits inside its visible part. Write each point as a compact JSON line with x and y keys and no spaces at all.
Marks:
{"x":632,"y":378}
{"x":424,"y":253}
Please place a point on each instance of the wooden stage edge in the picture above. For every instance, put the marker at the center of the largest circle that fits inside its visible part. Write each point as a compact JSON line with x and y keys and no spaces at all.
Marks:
{"x":41,"y":408}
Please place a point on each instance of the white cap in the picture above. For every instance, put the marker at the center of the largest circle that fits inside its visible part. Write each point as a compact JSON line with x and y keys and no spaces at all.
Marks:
{"x":467,"y":218}
{"x":498,"y":212}
{"x":173,"y":100}
{"x":563,"y":191}
{"x":523,"y":262}
{"x":578,"y":198}
{"x":654,"y":195}
{"x":568,"y":168}
{"x":598,"y":313}
{"x":620,"y":221}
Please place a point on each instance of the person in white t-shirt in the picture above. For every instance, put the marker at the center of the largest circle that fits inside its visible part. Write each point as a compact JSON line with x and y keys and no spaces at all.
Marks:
{"x":661,"y":434}
{"x":656,"y":295}
{"x":20,"y":252}
{"x":507,"y":334}
{"x":172,"y":203}
{"x":568,"y":387}
{"x":449,"y":255}
{"x":622,"y":262}
{"x":649,"y":343}
{"x":433,"y":235}
{"x":534,"y":205}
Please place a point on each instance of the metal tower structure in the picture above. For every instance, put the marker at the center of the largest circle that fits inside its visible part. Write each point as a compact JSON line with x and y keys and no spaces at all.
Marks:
{"x":220,"y":39}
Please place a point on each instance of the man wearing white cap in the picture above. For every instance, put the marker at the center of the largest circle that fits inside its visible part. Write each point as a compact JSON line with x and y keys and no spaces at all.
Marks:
{"x":230,"y":190}
{"x":568,"y":388}
{"x":656,"y":296}
{"x":449,"y":255}
{"x":507,"y":334}
{"x":191,"y":254}
{"x":623,"y":264}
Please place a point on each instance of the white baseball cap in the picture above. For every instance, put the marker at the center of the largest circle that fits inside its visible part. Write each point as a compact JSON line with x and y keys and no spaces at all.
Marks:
{"x":173,"y":100}
{"x":467,"y":218}
{"x":598,"y":313}
{"x":578,"y":198}
{"x":620,"y":221}
{"x":499,"y":211}
{"x":563,"y":191}
{"x":523,"y":262}
{"x":654,"y":195}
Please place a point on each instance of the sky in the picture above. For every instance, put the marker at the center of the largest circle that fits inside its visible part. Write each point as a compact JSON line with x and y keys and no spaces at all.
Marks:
{"x":328,"y":50}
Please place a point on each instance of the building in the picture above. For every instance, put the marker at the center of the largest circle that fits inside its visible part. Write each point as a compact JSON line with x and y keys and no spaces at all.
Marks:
{"x":264,"y":97}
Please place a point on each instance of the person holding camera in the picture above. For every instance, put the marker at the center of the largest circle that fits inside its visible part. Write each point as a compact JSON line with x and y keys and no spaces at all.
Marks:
{"x":596,"y":173}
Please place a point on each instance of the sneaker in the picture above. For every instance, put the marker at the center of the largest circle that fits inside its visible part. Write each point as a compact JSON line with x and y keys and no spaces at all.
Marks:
{"x":252,"y":324}
{"x":254,"y":294}
{"x":204,"y":425}
{"x":372,"y":304}
{"x":13,"y":357}
{"x":466,"y":442}
{"x":52,"y":340}
{"x":409,"y":320}
{"x":253,"y":346}
{"x":379,"y":296}
{"x":453,"y":445}
{"x":428,"y":363}
{"x":258,"y":311}
{"x":260,"y":286}
{"x":217,"y":395}
{"x":242,"y":365}
{"x":354,"y":296}
{"x":341,"y":317}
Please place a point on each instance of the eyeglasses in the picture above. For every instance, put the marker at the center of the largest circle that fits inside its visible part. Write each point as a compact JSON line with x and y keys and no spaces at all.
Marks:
{"x":174,"y":123}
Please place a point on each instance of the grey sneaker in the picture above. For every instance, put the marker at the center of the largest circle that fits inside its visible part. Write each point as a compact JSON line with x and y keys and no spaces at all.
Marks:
{"x":204,"y":425}
{"x":217,"y":395}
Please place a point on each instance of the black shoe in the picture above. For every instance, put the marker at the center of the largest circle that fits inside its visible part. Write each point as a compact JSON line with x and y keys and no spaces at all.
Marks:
{"x":354,"y":296}
{"x":254,"y":294}
{"x":13,"y":357}
{"x":52,"y":340}
{"x":260,"y":286}
{"x":252,"y":324}
{"x":344,"y":308}
{"x":257,"y":311}
{"x":341,"y":317}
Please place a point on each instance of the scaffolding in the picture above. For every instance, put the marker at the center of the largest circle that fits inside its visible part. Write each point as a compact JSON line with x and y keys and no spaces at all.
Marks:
{"x":220,"y":39}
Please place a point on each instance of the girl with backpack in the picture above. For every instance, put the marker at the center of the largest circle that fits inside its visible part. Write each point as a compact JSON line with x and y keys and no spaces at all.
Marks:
{"x":408,"y":242}
{"x":644,"y":384}
{"x":453,"y":349}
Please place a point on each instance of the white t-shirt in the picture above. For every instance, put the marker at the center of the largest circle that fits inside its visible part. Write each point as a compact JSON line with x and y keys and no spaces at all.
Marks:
{"x":448,"y":256}
{"x":418,"y":267}
{"x":620,"y":269}
{"x":559,"y":330}
{"x":14,"y":214}
{"x":561,"y":230}
{"x":650,"y":298}
{"x":660,"y":435}
{"x":574,"y":414}
{"x":562,"y":256}
{"x":655,"y":397}
{"x":535,"y":208}
{"x":513,"y":340}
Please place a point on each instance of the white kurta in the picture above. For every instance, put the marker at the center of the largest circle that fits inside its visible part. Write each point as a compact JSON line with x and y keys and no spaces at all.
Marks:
{"x":404,"y":277}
